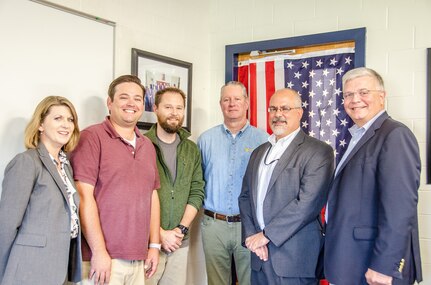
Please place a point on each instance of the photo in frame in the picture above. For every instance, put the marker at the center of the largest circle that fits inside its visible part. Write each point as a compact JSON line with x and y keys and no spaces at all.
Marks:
{"x":158,"y":72}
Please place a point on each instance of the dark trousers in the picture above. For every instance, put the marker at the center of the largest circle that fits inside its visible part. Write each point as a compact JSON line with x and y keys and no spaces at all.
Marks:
{"x":267,"y":276}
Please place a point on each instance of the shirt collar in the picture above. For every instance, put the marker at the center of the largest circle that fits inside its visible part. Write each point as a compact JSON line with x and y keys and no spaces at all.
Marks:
{"x":355,"y":128}
{"x":247,"y":124}
{"x":282,"y":141}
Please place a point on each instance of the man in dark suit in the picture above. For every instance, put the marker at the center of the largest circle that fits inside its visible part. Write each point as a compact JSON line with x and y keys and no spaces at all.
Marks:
{"x":372,"y":225}
{"x":284,"y":189}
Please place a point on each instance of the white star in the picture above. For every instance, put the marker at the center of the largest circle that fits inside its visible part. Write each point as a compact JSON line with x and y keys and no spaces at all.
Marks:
{"x":322,"y":132}
{"x":335,"y":152}
{"x":330,"y":101}
{"x":318,"y":103}
{"x":336,"y":112}
{"x":304,"y":104}
{"x":311,"y":134}
{"x":323,"y":113}
{"x":333,"y":61}
{"x":337,"y":91}
{"x":332,"y":82}
{"x":304,"y":124}
{"x":348,"y":60}
{"x":325,"y":72}
{"x":290,"y":84}
{"x":335,"y":132}
{"x":339,"y":70}
{"x":311,"y":74}
{"x":305,"y":64}
{"x":311,"y":94}
{"x":297,"y":74}
{"x":311,"y":114}
{"x":328,"y":141}
{"x":318,"y":124}
{"x":328,"y":122}
{"x":344,"y":122}
{"x":319,"y":83}
{"x":290,"y":65}
{"x":319,"y":63}
{"x":305,"y":84}
{"x":343,"y":143}
{"x":325,"y":93}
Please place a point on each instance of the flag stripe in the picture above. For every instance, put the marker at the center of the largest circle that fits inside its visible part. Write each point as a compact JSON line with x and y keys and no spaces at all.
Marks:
{"x":252,"y":94}
{"x":270,"y":86}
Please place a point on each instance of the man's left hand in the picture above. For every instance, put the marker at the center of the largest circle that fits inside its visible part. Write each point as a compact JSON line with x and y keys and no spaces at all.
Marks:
{"x":151,"y":262}
{"x":255,"y":241}
{"x":376,"y":278}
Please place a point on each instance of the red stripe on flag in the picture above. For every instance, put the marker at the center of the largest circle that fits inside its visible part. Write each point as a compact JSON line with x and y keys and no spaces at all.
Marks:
{"x":252,"y":92}
{"x":270,"y":86}
{"x":243,"y":75}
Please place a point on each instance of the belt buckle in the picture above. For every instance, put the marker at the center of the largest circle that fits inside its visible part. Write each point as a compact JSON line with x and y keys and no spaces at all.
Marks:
{"x":227,"y":219}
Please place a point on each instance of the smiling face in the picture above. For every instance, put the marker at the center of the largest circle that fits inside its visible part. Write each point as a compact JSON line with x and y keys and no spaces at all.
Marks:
{"x":284,"y":123}
{"x":127,"y":106}
{"x":57,"y":128}
{"x":362,"y":108}
{"x":170,"y":112}
{"x":233,"y":103}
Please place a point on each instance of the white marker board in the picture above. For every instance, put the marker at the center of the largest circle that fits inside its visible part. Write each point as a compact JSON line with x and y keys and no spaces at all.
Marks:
{"x":46,"y":51}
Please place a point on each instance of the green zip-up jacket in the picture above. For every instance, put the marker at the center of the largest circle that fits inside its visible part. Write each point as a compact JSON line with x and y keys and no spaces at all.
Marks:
{"x":188,"y":187}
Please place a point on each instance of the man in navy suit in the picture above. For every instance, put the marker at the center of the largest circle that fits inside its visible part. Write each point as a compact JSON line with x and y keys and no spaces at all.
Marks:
{"x":284,"y":189}
{"x":372,"y":225}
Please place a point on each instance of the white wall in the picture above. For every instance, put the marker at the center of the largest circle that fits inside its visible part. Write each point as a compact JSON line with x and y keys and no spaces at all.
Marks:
{"x":197,"y":31}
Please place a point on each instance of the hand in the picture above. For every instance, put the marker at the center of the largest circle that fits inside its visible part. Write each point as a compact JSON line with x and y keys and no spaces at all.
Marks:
{"x":151,"y":262}
{"x":100,"y":270}
{"x":262,"y":252}
{"x":171,"y":239}
{"x":255,"y":241}
{"x":376,"y":278}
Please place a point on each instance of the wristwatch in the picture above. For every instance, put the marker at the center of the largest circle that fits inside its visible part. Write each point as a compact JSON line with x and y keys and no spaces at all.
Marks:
{"x":184,"y":229}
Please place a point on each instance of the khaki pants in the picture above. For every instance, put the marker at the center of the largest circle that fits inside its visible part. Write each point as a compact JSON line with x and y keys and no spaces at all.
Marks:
{"x":123,"y":272}
{"x":172,"y":268}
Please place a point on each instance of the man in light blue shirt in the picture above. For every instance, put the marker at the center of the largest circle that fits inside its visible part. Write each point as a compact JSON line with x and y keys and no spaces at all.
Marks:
{"x":225,"y":151}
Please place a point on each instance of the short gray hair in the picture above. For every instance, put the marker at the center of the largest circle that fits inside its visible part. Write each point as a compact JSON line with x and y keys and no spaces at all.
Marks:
{"x":234,"y":83}
{"x":363,"y":71}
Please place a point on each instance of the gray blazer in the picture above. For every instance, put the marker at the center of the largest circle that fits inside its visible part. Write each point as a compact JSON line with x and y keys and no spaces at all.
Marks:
{"x":297,"y":192}
{"x":35,"y":242}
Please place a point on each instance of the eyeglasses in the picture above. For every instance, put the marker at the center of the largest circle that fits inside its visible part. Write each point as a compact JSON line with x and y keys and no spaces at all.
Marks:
{"x":361,"y":92}
{"x":283,"y":109}
{"x":266,"y":156}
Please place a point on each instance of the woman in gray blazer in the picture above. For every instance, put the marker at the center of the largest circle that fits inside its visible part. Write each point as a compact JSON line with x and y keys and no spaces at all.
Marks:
{"x":39,"y":226}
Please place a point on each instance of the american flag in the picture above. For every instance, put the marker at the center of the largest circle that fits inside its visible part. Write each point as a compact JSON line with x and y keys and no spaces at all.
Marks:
{"x":317,"y":77}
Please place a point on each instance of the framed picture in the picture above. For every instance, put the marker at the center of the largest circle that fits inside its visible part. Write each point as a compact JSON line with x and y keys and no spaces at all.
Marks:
{"x":158,"y":72}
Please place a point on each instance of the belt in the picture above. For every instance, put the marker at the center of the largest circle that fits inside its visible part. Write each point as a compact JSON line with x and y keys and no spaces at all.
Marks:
{"x":229,"y":219}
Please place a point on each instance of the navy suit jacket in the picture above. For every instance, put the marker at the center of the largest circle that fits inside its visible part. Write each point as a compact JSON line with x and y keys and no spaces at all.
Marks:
{"x":372,"y":205}
{"x":296,"y":194}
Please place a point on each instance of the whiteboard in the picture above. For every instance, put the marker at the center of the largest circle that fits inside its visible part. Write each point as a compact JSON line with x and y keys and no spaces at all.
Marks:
{"x":46,"y":51}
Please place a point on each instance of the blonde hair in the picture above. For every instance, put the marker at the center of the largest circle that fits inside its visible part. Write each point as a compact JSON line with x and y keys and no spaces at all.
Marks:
{"x":32,"y":133}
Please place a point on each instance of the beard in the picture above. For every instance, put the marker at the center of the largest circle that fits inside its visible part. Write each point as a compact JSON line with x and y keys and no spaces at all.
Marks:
{"x":278,"y":130}
{"x":170,"y":128}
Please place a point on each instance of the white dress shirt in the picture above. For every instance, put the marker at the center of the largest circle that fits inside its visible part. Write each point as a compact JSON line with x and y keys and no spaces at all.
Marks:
{"x":266,"y":167}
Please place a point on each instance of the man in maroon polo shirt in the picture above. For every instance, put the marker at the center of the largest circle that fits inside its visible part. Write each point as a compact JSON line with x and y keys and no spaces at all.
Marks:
{"x":116,"y":174}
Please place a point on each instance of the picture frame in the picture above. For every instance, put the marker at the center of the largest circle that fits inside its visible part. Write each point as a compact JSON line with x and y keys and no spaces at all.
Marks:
{"x":158,"y":72}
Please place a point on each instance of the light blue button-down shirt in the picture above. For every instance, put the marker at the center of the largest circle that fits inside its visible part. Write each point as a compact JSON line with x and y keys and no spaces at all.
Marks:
{"x":224,"y":161}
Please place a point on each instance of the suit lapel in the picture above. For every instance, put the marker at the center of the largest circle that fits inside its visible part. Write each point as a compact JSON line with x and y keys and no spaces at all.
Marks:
{"x":286,"y":158}
{"x":49,"y":165}
{"x":366,"y":137}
